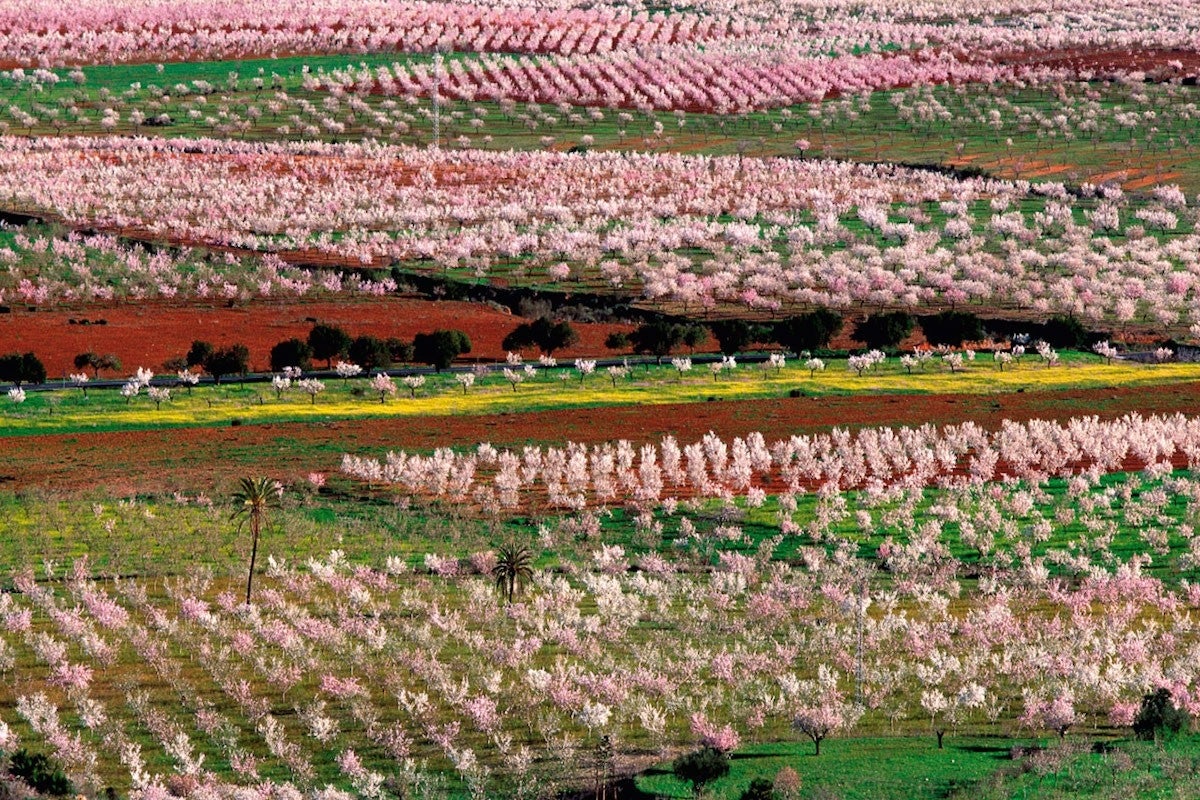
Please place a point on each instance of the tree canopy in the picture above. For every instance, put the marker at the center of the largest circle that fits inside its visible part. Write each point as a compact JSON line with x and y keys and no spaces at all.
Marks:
{"x":543,"y":333}
{"x":19,"y":368}
{"x":440,"y":348}
{"x":328,"y":342}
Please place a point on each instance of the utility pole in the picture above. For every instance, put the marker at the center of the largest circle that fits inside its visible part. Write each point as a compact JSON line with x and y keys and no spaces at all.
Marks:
{"x":860,"y":612}
{"x":437,"y":97}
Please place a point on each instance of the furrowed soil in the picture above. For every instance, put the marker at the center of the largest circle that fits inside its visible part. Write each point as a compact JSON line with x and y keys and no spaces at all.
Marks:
{"x":211,"y":459}
{"x":150,"y":334}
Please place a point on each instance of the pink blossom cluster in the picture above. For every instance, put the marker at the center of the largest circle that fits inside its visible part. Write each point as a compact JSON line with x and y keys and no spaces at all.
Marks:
{"x":627,"y":219}
{"x":44,"y":33}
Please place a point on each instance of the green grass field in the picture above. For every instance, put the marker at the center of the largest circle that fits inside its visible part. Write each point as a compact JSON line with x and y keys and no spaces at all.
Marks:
{"x":68,"y":411}
{"x":967,"y":769}
{"x":946,"y":126}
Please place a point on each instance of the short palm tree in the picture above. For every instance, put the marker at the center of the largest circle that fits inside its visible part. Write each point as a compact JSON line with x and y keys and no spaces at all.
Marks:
{"x":251,"y":502}
{"x":513,"y":570}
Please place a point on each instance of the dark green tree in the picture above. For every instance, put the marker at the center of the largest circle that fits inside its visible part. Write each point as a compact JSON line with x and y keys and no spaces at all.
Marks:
{"x":108,"y":361}
{"x":544,"y":333}
{"x":694,"y":336}
{"x":440,"y":348}
{"x":556,"y":336}
{"x":291,"y":353}
{"x":885,"y":330}
{"x":252,"y":500}
{"x":400,"y":351}
{"x":19,"y":368}
{"x":952,"y":328}
{"x":617,"y":340}
{"x":200,"y":351}
{"x":701,"y":767}
{"x":232,"y":360}
{"x":519,"y":337}
{"x":32,"y":369}
{"x":328,"y":342}
{"x":370,"y":352}
{"x":1065,"y":333}
{"x":735,"y":335}
{"x":85,"y":360}
{"x":1158,"y":716}
{"x":811,"y":331}
{"x":657,"y":338}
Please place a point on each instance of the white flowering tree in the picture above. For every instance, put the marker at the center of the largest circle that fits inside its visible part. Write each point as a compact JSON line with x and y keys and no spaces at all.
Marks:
{"x":384,"y":386}
{"x":312,"y":387}
{"x":413,"y":382}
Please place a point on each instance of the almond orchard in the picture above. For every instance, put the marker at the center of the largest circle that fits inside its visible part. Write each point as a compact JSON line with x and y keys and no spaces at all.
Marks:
{"x":540,"y":399}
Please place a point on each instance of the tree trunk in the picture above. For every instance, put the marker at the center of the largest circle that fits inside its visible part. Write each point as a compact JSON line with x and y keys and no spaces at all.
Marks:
{"x":253,"y":555}
{"x":940,"y":734}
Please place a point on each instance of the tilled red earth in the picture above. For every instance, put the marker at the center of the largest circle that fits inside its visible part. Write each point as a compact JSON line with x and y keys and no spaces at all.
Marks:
{"x":148,"y":335}
{"x":211,"y":459}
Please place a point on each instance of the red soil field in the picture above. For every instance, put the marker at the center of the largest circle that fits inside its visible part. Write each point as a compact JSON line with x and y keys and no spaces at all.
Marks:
{"x":212,"y":459}
{"x":147,"y":335}
{"x":1157,"y":63}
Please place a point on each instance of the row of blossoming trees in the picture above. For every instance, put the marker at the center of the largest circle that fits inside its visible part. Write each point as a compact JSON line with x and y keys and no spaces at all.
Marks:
{"x":1032,"y":113}
{"x":591,"y":477}
{"x":979,"y":604}
{"x":42,"y":33}
{"x":804,"y":233}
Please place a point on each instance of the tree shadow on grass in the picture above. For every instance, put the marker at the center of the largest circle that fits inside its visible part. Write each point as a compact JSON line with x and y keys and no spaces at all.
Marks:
{"x":997,"y":752}
{"x":624,"y":789}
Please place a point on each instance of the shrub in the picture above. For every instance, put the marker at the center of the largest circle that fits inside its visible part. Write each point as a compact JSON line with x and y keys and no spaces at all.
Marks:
{"x":701,"y":767}
{"x":618,"y":340}
{"x":760,"y":789}
{"x":787,"y":784}
{"x":1159,"y":716}
{"x":40,"y":772}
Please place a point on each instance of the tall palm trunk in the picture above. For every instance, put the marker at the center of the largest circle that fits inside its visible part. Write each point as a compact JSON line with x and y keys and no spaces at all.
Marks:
{"x":254,"y":526}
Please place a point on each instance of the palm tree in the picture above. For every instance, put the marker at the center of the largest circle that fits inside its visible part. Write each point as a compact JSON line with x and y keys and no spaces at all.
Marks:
{"x":251,"y":501}
{"x":513,"y":570}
